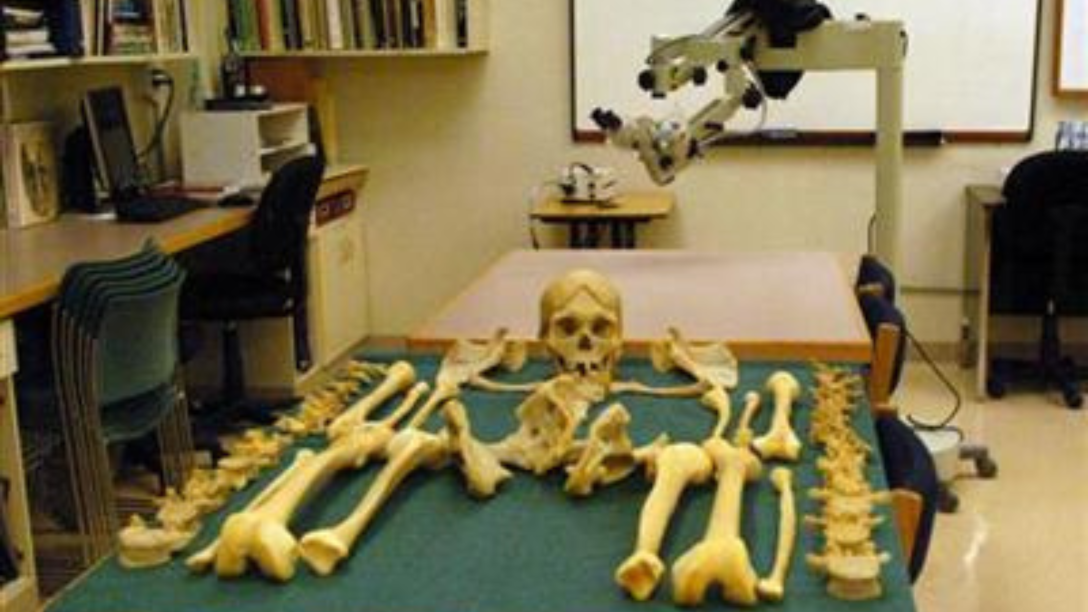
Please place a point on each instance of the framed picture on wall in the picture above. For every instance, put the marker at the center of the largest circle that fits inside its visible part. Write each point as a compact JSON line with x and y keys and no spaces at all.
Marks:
{"x":1071,"y":49}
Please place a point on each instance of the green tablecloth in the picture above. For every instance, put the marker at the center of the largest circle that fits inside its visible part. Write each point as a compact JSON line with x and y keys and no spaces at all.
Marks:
{"x":531,"y":549}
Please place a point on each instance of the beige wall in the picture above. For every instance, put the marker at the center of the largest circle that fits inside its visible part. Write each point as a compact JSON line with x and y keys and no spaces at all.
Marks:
{"x":456,"y":145}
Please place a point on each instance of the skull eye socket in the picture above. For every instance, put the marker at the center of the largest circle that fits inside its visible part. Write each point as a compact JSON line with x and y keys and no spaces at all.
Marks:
{"x":602,"y":327}
{"x":567,"y":326}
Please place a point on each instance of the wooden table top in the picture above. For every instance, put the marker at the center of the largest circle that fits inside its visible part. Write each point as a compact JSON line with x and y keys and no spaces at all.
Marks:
{"x":33,"y":259}
{"x":628,"y":206}
{"x":765,"y":305}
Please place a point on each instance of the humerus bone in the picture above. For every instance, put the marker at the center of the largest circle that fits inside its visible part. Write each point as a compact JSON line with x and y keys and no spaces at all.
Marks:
{"x":204,"y":559}
{"x":675,"y":468}
{"x":482,"y":470}
{"x":772,"y":588}
{"x":722,"y":556}
{"x":608,"y":455}
{"x":547,"y":420}
{"x":410,"y":449}
{"x":781,"y":442}
{"x":743,"y":436}
{"x":400,"y":377}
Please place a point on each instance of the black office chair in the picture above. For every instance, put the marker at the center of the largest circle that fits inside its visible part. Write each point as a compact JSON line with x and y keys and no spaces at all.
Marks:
{"x":1039,"y":263}
{"x":273,"y":283}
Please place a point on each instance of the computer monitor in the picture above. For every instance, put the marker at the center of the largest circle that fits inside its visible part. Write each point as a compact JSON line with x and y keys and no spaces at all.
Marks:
{"x":106,"y":119}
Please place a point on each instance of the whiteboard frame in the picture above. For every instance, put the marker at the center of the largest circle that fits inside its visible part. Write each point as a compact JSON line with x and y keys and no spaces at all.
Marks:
{"x":1060,"y":88}
{"x":866,"y":138}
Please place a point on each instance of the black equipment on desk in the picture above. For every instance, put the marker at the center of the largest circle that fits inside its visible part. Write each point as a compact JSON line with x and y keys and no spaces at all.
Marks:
{"x":1039,"y":263}
{"x":118,"y":165}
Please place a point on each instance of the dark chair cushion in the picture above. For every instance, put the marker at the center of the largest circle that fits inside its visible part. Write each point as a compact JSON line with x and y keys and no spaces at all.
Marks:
{"x":229,"y":297}
{"x":879,"y":311}
{"x":908,"y":465}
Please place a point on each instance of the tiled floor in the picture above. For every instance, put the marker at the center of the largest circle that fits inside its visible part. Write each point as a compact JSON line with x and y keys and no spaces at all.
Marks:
{"x":1018,"y":543}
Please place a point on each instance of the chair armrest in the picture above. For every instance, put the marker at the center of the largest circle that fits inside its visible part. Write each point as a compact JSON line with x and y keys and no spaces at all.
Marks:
{"x":908,"y":514}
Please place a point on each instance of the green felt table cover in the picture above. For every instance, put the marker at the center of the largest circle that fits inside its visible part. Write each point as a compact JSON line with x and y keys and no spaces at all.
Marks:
{"x":530,"y":549}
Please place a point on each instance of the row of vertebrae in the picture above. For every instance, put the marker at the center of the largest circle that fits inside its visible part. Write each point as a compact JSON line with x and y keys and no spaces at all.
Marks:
{"x":147,"y":543}
{"x":849,"y":559}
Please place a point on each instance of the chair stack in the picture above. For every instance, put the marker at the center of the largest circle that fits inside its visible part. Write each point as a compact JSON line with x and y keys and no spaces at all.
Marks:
{"x":115,"y":356}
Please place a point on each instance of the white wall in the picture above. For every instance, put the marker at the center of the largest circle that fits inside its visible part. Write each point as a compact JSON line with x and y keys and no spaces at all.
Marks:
{"x":455,"y":145}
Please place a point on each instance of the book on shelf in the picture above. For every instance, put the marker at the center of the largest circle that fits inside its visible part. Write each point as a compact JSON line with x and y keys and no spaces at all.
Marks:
{"x":41,"y":28}
{"x":30,"y":173}
{"x":295,"y":25}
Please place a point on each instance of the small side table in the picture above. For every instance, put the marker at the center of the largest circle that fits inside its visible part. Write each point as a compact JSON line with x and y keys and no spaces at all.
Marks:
{"x":621,"y":216}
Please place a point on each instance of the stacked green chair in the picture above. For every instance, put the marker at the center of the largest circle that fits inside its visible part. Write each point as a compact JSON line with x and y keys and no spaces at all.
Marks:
{"x":115,"y":358}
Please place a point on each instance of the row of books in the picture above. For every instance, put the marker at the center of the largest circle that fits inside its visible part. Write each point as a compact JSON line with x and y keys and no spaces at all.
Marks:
{"x":45,"y":28}
{"x":294,"y":25}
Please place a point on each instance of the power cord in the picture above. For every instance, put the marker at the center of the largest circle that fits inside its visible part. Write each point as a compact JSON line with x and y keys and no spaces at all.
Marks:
{"x":946,"y":422}
{"x":159,"y":78}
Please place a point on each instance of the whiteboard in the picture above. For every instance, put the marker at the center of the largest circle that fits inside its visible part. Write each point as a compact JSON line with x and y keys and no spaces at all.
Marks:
{"x":970,"y":67}
{"x":1072,"y":60}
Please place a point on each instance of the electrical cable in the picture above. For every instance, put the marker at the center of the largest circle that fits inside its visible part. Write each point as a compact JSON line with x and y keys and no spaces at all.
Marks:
{"x":871,"y":237}
{"x":158,"y":78}
{"x":944,"y":423}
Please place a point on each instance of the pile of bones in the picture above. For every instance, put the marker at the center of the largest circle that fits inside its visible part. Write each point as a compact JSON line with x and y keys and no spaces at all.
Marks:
{"x":581,"y":328}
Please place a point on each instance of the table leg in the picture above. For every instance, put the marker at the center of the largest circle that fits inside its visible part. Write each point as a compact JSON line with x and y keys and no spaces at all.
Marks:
{"x":630,"y":237}
{"x":618,"y":239}
{"x":593,"y":235}
{"x":575,"y":229}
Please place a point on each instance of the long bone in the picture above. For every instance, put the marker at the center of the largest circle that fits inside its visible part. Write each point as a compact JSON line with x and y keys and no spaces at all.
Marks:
{"x":262,"y":535}
{"x":409,"y":450}
{"x":780,"y":442}
{"x":482,"y":470}
{"x":401,"y":375}
{"x":722,"y":556}
{"x":674,"y":469}
{"x":772,"y":588}
{"x":608,"y":455}
{"x":742,"y":437}
{"x":204,"y":559}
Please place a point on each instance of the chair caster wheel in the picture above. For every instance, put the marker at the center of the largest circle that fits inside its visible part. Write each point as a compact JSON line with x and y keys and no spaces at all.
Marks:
{"x":995,"y":388}
{"x":947,"y":501}
{"x":986,"y":467}
{"x":1073,"y":399}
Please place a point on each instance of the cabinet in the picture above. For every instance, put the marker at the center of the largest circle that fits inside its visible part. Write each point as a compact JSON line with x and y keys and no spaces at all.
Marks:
{"x":22,"y":594}
{"x":241,"y":148}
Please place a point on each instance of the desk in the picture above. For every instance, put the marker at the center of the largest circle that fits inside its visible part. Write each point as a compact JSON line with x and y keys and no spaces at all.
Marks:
{"x":530,"y":549}
{"x":773,"y":305}
{"x":621,"y":216}
{"x":982,"y":201}
{"x":33,"y":261}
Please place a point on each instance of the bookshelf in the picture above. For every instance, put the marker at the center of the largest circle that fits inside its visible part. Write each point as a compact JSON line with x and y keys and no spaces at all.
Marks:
{"x":362,"y":29}
{"x":76,"y":33}
{"x":88,"y":61}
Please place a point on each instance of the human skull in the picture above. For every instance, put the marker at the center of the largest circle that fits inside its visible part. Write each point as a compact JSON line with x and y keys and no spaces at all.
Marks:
{"x":581,"y":325}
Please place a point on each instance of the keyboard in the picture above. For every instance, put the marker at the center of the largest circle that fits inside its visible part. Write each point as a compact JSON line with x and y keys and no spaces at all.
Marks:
{"x":153,"y":209}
